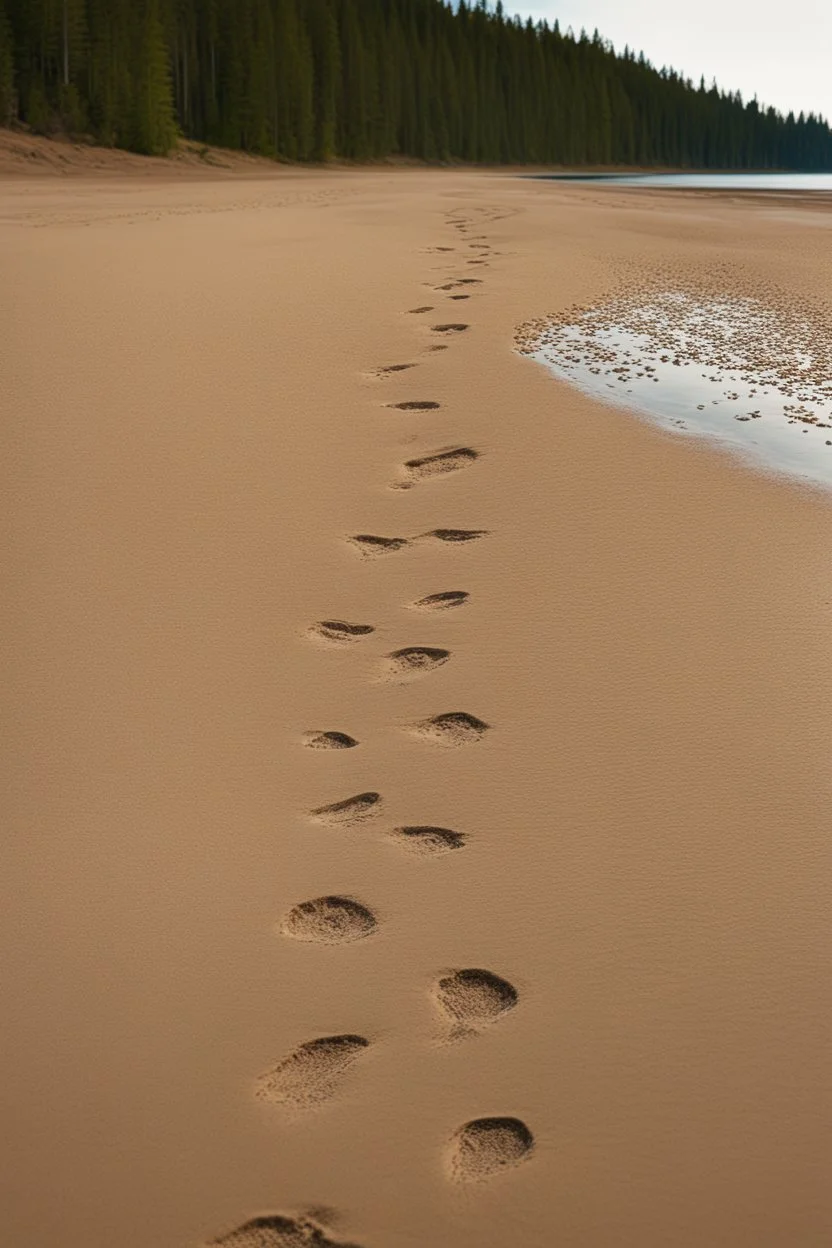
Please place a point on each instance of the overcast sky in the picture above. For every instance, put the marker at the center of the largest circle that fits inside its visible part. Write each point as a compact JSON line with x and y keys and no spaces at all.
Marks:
{"x":781,"y":53}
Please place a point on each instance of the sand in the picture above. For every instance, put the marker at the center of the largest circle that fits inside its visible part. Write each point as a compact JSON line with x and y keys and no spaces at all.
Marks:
{"x":599,"y":784}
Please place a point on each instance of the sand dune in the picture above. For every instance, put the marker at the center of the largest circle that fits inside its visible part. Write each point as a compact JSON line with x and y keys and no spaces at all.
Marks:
{"x":565,"y":983}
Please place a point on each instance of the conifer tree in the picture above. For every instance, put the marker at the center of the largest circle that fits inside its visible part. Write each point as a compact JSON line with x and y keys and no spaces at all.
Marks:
{"x":363,"y":79}
{"x":154,"y":123}
{"x":8,"y":96}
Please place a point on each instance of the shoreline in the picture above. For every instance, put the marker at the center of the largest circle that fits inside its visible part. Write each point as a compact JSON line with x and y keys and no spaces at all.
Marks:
{"x":645,"y":820}
{"x":62,"y":155}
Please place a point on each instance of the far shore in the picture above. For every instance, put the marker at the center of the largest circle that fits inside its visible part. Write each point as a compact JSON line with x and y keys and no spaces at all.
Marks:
{"x":24,"y":153}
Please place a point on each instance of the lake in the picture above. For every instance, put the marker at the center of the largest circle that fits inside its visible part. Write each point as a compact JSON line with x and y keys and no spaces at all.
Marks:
{"x":705,"y":181}
{"x":753,"y":379}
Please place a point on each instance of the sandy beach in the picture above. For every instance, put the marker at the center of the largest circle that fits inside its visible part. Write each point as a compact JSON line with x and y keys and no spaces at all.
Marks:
{"x":200,"y":414}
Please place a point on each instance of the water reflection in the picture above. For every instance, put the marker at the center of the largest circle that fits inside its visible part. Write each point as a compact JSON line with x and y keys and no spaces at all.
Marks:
{"x":704,"y":181}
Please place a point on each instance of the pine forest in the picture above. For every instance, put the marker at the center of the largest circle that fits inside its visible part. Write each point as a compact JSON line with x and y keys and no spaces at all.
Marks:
{"x":367,"y":80}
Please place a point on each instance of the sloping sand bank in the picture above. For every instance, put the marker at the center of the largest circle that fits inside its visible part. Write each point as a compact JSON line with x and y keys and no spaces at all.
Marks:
{"x":559,"y":856}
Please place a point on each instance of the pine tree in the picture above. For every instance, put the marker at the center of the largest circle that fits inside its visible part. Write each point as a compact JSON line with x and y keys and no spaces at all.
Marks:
{"x":8,"y":96}
{"x":326,"y":59}
{"x":154,"y":121}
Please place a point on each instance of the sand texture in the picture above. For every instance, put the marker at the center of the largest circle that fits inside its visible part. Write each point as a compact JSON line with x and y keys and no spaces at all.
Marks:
{"x":417,"y":775}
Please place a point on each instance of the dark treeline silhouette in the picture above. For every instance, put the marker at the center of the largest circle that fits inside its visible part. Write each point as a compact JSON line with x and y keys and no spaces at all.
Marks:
{"x":368,"y":79}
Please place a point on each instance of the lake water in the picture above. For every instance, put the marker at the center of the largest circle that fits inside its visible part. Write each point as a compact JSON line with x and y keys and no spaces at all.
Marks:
{"x":753,"y":379}
{"x":706,"y":181}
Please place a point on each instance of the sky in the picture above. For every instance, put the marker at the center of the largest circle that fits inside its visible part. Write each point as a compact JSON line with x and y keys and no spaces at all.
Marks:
{"x":782,"y":52}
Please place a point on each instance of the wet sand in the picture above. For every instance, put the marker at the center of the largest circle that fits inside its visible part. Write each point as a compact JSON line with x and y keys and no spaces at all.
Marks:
{"x":635,"y":767}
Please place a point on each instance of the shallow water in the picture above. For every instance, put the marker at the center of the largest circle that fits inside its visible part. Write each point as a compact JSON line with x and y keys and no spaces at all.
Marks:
{"x":706,"y":181}
{"x":731,"y":370}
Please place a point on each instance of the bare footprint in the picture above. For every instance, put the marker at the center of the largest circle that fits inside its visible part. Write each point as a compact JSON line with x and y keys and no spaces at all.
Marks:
{"x":350,"y":810}
{"x":450,"y":328}
{"x":428,"y":841}
{"x":416,"y":311}
{"x":473,"y":998}
{"x":455,"y":535}
{"x":438,"y":465}
{"x":444,"y":601}
{"x":339,"y":632}
{"x":487,"y":1146}
{"x":414,"y":405}
{"x":310,"y":1074}
{"x":386,"y":369}
{"x":275,"y":1230}
{"x":460,"y":296}
{"x":329,"y":921}
{"x":372,"y":546}
{"x":452,"y":728}
{"x":413,"y":661}
{"x":329,"y":741}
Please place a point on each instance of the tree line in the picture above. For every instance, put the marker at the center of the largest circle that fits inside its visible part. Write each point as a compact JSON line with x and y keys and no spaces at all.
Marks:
{"x":369,"y":79}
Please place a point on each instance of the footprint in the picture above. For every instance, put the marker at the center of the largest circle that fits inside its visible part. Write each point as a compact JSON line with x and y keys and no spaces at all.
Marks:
{"x":439,"y":346}
{"x":487,"y":1146}
{"x":428,"y":841}
{"x":372,"y":546}
{"x":329,"y":921}
{"x":350,"y":810}
{"x":460,"y":296}
{"x":451,"y":328}
{"x":422,"y":469}
{"x":415,"y":405}
{"x":476,"y":247}
{"x":470,"y":281}
{"x":329,"y":741}
{"x":416,"y":311}
{"x":310,"y":1074}
{"x":474,"y":998}
{"x":340,"y":631}
{"x":275,"y":1230}
{"x":443,"y":601}
{"x":456,"y":535}
{"x":415,"y":661}
{"x":386,"y":369}
{"x":452,"y":728}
